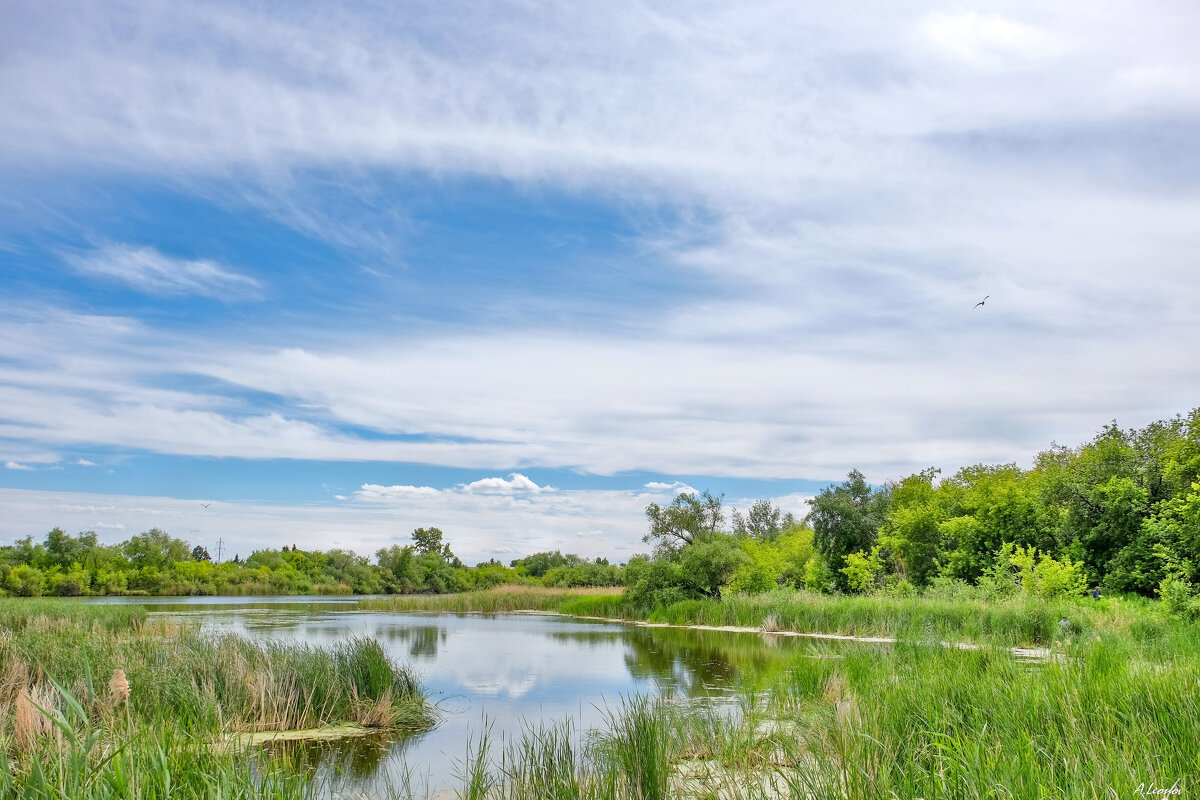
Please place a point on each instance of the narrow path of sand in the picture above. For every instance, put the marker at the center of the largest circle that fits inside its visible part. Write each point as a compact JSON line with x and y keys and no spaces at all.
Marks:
{"x":1022,"y":653}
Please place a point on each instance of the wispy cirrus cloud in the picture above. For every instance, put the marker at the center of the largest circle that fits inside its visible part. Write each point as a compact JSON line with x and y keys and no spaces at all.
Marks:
{"x":146,"y":270}
{"x":845,"y":183}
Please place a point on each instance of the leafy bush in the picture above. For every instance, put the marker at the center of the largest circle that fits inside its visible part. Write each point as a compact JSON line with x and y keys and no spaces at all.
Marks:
{"x":862,"y":571}
{"x":1045,"y":576}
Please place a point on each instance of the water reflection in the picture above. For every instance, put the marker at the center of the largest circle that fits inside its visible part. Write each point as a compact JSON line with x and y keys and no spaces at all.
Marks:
{"x":422,"y":640}
{"x":499,"y":671}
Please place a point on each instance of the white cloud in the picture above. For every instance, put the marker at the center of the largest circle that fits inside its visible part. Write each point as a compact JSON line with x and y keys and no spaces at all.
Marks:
{"x":846,"y":195}
{"x":83,"y":462}
{"x":477,"y":526}
{"x":516,"y":484}
{"x":989,"y":40}
{"x":149,"y":271}
{"x":678,"y":487}
{"x":372,"y":492}
{"x":17,"y":466}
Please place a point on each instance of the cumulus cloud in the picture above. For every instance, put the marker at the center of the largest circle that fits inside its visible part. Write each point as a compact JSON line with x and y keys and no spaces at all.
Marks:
{"x":516,"y":484}
{"x":147,"y":270}
{"x":83,"y":462}
{"x":17,"y":466}
{"x":371,"y":492}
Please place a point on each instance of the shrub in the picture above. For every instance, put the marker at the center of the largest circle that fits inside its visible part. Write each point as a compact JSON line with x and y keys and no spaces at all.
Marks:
{"x":24,"y":581}
{"x":862,"y":571}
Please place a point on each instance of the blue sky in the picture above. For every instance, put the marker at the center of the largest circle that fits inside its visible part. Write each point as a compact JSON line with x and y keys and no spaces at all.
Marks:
{"x":519,"y":270}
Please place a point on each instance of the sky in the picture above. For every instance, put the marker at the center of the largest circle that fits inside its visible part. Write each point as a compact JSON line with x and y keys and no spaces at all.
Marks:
{"x":318,"y":274}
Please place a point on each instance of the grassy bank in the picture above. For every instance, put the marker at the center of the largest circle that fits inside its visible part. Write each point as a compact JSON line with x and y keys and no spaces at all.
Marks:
{"x":1017,"y":621}
{"x":1008,"y":622}
{"x":499,"y":600}
{"x":102,"y":689}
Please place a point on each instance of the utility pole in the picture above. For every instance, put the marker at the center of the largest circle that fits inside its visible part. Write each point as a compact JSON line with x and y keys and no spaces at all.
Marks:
{"x":220,"y":542}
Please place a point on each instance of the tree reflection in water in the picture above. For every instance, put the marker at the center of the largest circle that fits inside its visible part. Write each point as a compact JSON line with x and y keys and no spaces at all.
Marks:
{"x":422,"y":640}
{"x":694,"y":663}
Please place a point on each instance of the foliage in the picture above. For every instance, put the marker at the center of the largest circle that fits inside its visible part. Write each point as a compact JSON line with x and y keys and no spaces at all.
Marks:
{"x":763,"y":521}
{"x":698,"y":569}
{"x":846,"y":519}
{"x":863,"y":571}
{"x":1043,"y":576}
{"x":154,"y":563}
{"x":684,"y":520}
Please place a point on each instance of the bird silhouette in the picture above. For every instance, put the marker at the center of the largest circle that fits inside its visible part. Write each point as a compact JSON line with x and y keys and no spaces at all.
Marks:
{"x":984,"y":300}
{"x":206,"y":505}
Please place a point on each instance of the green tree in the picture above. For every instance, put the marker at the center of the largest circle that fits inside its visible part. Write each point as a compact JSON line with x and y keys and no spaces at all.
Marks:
{"x":911,"y":530}
{"x":763,"y":521}
{"x":427,"y":540}
{"x":709,"y":563}
{"x":685,"y":519}
{"x":155,"y":549}
{"x":846,"y":519}
{"x":399,"y":566}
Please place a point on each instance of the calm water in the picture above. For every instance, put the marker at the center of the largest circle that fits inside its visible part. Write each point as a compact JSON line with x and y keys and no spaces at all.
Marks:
{"x":502,"y":670}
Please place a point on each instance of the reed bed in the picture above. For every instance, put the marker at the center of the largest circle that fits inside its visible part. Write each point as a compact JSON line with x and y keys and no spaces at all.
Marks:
{"x":884,"y":723}
{"x":1007,"y":622}
{"x":1017,"y":621}
{"x":499,"y":600}
{"x":89,"y":689}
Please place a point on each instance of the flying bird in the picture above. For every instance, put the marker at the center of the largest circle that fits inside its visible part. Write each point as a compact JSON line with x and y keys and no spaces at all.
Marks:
{"x":984,"y":300}
{"x":206,"y":505}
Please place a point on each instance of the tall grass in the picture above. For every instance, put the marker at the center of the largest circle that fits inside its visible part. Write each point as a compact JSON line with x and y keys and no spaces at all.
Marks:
{"x":1017,"y":621}
{"x":938,"y":723}
{"x":87,"y":762}
{"x":17,"y":614}
{"x":887,"y":722}
{"x":196,"y":683}
{"x":498,"y":600}
{"x":1009,"y":622}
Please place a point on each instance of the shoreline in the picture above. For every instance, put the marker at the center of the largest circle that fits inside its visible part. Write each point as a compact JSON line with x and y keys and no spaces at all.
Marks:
{"x":1022,"y":653}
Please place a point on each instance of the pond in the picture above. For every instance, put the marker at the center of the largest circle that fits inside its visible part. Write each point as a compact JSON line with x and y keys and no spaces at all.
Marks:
{"x":497,"y":671}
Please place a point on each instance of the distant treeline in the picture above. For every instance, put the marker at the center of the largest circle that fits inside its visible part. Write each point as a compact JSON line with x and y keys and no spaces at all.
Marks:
{"x":155,"y":563}
{"x":1121,"y":512}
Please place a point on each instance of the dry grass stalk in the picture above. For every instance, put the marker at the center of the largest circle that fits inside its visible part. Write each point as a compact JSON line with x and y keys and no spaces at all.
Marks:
{"x":377,"y":714}
{"x":14,"y":680}
{"x":771,"y":624}
{"x":118,"y":688}
{"x":30,"y":722}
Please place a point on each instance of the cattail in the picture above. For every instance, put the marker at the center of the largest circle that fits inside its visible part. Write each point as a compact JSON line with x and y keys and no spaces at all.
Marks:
{"x":118,"y":688}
